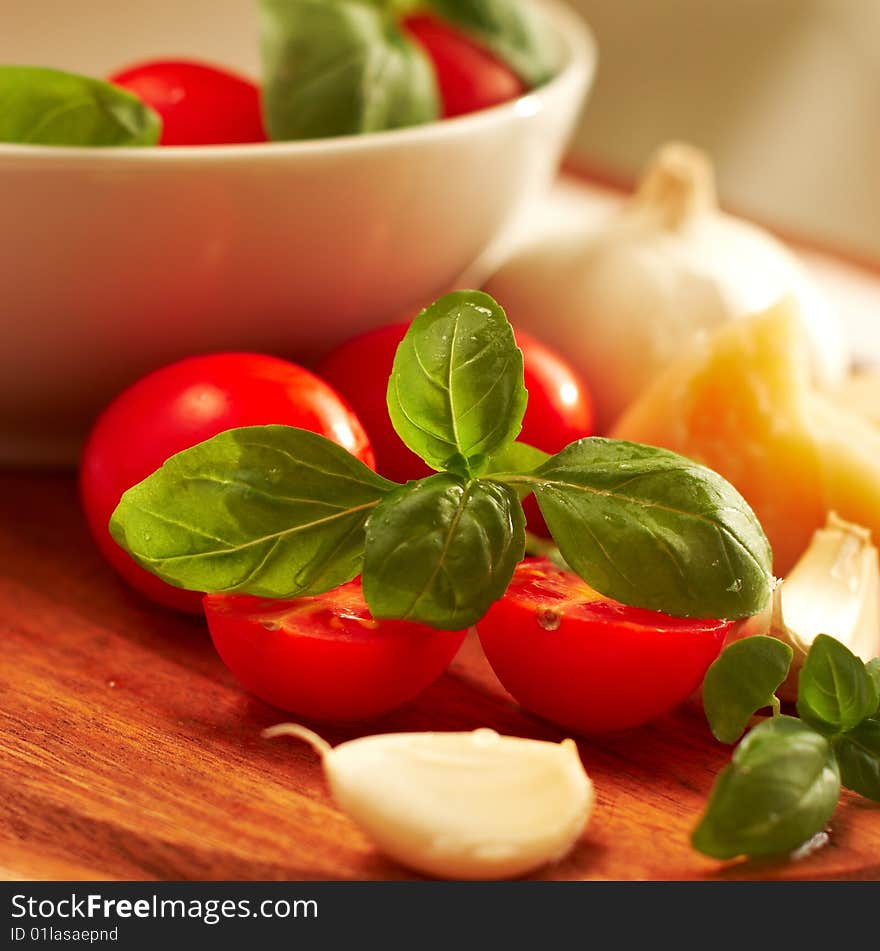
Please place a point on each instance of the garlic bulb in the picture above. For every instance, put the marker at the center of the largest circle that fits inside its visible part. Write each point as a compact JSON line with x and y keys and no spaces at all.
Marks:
{"x":459,"y":805}
{"x":834,"y":589}
{"x":663,"y":274}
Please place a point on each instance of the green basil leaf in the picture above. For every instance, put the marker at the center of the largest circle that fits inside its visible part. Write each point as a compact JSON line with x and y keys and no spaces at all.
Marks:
{"x":49,"y":107}
{"x":441,"y":550}
{"x":781,"y":787}
{"x":517,"y":458}
{"x":741,"y":681}
{"x":271,"y":511}
{"x":873,"y":670}
{"x":858,"y":756}
{"x":516,"y":32}
{"x":654,"y":530}
{"x":340,"y":67}
{"x":835,"y":691}
{"x":456,"y":393}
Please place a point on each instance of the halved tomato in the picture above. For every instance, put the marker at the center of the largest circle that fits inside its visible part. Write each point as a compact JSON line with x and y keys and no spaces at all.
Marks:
{"x":325,"y":657}
{"x":588,"y":663}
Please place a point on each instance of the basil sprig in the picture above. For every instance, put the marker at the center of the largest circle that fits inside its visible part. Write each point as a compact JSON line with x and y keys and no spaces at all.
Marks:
{"x":341,"y":67}
{"x":783,"y":782}
{"x":743,"y":680}
{"x":442,"y":550}
{"x":272,"y":511}
{"x":49,"y":107}
{"x":858,"y":755}
{"x":280,"y":512}
{"x":873,"y":669}
{"x":781,"y":787}
{"x":613,"y":507}
{"x":456,"y":393}
{"x":836,"y":692}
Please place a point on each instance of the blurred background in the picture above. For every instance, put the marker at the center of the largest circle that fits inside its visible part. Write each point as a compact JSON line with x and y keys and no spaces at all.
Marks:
{"x":785,"y":94}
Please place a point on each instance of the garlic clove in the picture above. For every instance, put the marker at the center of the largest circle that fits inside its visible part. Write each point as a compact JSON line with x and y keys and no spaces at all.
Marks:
{"x":460,"y":805}
{"x":834,"y":589}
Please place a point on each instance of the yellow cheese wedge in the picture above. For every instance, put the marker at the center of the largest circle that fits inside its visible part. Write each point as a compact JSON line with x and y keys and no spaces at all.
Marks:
{"x":860,"y":393}
{"x":742,"y":404}
{"x":849,"y":450}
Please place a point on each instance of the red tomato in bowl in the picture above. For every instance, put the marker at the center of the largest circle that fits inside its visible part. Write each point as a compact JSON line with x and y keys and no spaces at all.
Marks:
{"x":186,"y":403}
{"x":469,"y":78}
{"x":199,"y":104}
{"x":325,"y":657}
{"x":587,"y":663}
{"x":559,"y":411}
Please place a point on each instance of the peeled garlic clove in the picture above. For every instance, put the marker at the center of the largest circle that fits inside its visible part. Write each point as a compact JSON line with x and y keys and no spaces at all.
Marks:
{"x":834,"y":589}
{"x":460,"y":805}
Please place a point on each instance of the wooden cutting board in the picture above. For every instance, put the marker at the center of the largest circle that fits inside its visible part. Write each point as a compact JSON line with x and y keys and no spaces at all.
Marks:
{"x":127,"y":750}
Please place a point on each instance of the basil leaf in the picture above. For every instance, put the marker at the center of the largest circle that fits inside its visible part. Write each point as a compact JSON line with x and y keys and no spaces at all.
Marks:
{"x":517,"y":458}
{"x":835,"y":691}
{"x":49,"y":107}
{"x":441,"y":550}
{"x":266,"y":510}
{"x":339,"y":67}
{"x":741,"y":681}
{"x":858,"y":756}
{"x":456,"y":393}
{"x":514,"y":31}
{"x":654,"y":530}
{"x":873,"y":670}
{"x":781,"y":787}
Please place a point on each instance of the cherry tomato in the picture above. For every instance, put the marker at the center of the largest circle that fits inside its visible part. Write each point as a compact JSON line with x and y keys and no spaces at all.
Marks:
{"x":587,"y":663}
{"x":559,"y":409}
{"x":325,"y":657}
{"x":183,"y":404}
{"x":199,"y":104}
{"x":469,"y":77}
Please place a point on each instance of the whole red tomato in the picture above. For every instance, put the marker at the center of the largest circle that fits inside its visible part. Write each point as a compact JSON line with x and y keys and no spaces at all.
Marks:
{"x":325,"y":657}
{"x":199,"y":104}
{"x":469,"y":78}
{"x":587,"y":663}
{"x":559,"y":410}
{"x":183,"y":404}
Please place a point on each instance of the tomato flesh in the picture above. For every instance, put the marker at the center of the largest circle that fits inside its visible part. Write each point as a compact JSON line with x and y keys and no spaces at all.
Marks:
{"x":183,"y":404}
{"x":199,"y":104}
{"x":325,"y":657}
{"x":469,"y":78}
{"x":587,"y":663}
{"x":559,"y":410}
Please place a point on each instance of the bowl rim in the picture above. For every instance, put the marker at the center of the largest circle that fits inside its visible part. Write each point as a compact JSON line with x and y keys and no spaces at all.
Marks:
{"x":579,"y":54}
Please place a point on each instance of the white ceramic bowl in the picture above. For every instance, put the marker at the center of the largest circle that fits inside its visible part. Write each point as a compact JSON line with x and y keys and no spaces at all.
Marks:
{"x":116,"y":261}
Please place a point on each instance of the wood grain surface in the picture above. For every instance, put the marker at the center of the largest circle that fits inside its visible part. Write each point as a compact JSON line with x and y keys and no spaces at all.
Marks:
{"x":128,"y":751}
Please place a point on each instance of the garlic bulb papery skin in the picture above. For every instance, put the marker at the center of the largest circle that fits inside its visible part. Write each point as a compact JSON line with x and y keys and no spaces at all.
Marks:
{"x":834,"y":589}
{"x":622,"y":302}
{"x":459,"y":805}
